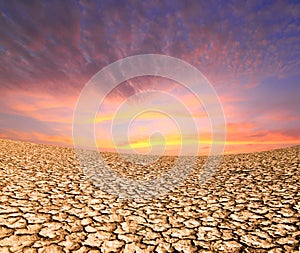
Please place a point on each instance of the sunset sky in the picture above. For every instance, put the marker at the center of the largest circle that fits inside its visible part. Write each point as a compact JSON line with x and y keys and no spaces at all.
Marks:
{"x":248,"y":50}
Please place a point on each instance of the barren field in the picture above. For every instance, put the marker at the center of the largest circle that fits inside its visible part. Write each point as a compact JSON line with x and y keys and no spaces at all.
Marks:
{"x":47,"y":204}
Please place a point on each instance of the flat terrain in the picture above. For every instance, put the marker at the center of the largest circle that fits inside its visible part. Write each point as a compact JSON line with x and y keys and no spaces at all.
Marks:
{"x":251,"y":204}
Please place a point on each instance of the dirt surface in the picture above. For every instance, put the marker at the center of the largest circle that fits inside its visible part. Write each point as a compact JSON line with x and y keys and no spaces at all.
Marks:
{"x":251,"y":204}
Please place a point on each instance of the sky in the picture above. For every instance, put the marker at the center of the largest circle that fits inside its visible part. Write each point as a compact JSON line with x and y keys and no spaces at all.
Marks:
{"x":249,"y":51}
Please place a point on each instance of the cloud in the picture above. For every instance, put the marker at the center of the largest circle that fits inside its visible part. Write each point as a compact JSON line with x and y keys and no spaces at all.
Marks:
{"x":227,"y":42}
{"x":249,"y":51}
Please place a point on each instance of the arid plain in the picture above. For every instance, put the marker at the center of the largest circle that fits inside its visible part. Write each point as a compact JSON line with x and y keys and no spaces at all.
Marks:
{"x":250,"y":204}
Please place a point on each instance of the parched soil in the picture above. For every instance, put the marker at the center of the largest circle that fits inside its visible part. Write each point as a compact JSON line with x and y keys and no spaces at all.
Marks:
{"x":47,"y":204}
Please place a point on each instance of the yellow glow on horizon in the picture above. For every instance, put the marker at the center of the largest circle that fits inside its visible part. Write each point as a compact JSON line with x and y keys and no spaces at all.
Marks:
{"x":262,"y":142}
{"x":145,"y":115}
{"x":177,"y":142}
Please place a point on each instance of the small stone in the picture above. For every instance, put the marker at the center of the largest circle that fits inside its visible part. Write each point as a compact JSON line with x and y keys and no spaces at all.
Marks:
{"x":227,"y":246}
{"x":192,"y":223}
{"x":90,"y":229}
{"x":184,"y":246}
{"x":51,"y":249}
{"x":5,"y":232}
{"x":256,"y":242}
{"x":112,"y":246}
{"x":96,"y":239}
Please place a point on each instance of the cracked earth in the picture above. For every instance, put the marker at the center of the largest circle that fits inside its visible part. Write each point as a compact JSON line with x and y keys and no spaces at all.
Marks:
{"x":47,"y":204}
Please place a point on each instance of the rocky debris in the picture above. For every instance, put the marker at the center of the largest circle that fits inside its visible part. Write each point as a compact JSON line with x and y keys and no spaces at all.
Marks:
{"x":47,"y":204}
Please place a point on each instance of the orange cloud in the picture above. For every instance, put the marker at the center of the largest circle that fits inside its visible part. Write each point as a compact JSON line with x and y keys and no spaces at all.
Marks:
{"x":39,"y":105}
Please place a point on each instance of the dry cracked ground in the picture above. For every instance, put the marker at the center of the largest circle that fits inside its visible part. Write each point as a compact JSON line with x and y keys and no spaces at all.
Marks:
{"x":251,"y":204}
